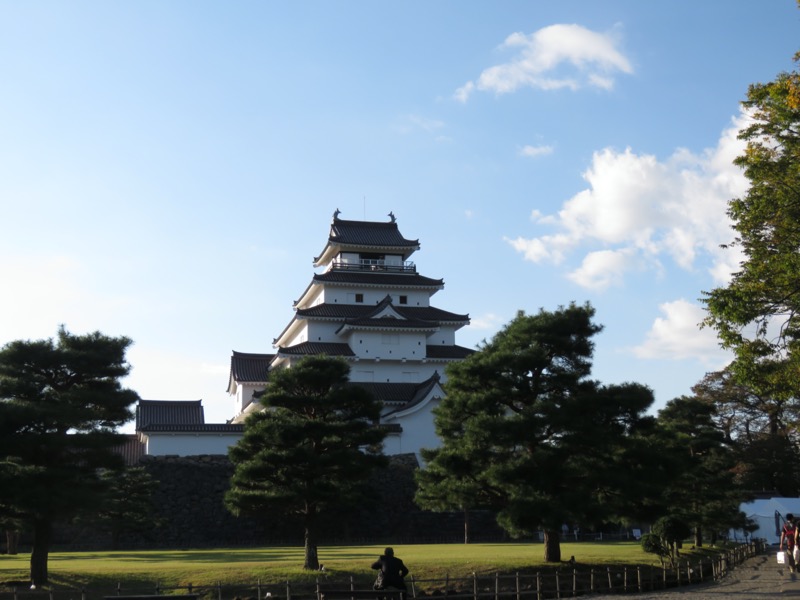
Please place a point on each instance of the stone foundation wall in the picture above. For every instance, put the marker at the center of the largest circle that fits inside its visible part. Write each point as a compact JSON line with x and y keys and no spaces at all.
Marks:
{"x":189,"y":501}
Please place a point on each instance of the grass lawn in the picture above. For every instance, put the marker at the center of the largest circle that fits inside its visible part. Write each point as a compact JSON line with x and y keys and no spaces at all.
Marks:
{"x":277,"y":565}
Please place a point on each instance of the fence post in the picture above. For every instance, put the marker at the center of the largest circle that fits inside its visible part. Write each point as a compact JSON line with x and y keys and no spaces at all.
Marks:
{"x":538,"y":586}
{"x":558,"y":586}
{"x":625,"y":579}
{"x":288,"y":590}
{"x":219,"y":590}
{"x":610,"y":585}
{"x":639,"y":579}
{"x":574,"y":582}
{"x":352,"y":583}
{"x":497,"y":586}
{"x":517,"y":585}
{"x":474,"y":585}
{"x":258,"y":589}
{"x":413,"y":587}
{"x":591,"y":581}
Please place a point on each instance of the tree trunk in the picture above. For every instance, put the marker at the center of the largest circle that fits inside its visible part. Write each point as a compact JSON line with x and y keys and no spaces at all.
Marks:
{"x":42,"y":536}
{"x":466,"y":526}
{"x":698,"y":537}
{"x":12,"y":541}
{"x":311,"y":557}
{"x":552,"y":546}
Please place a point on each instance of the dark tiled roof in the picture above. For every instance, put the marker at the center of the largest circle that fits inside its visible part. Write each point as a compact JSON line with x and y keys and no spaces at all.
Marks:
{"x":378,"y":278}
{"x":131,"y":450}
{"x":388,"y":323}
{"x":369,"y":233}
{"x":356,"y":311}
{"x":366,"y":235}
{"x":456,"y":352}
{"x":177,"y":412}
{"x":203,"y":428}
{"x":399,"y":395}
{"x":246,"y":367}
{"x":389,"y":393}
{"x":315,"y":348}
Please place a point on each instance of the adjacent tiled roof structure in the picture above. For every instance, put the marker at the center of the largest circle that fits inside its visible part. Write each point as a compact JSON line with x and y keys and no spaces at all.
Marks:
{"x":375,"y":279}
{"x":132,"y":449}
{"x":202,"y":428}
{"x":156,"y":412}
{"x":447,"y":352}
{"x":400,"y":396}
{"x":368,"y":234}
{"x":314,"y":348}
{"x":355,"y":311}
{"x":250,"y":368}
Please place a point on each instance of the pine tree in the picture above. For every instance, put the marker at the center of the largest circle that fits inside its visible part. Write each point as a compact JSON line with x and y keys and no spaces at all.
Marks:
{"x":311,"y":449}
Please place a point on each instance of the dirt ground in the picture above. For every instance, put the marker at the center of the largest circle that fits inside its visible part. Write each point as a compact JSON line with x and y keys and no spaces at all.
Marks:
{"x":758,"y":577}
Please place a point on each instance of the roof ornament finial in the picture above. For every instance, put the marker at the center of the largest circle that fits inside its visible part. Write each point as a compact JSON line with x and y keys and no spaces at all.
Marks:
{"x":392,"y":217}
{"x":336,"y":214}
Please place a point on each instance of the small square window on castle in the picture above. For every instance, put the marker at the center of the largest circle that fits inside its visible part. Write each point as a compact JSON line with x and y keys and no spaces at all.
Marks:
{"x":359,"y":297}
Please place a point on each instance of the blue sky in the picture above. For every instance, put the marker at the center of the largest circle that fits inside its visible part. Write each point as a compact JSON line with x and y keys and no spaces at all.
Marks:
{"x":168,"y":170}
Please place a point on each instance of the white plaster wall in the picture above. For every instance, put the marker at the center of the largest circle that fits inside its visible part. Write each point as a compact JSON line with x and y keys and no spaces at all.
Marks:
{"x":418,"y":432}
{"x":173,"y":444}
{"x":393,"y":371}
{"x":244,"y":396}
{"x":412,"y":298}
{"x":445,"y":336}
{"x":322,"y":331}
{"x":372,"y":345}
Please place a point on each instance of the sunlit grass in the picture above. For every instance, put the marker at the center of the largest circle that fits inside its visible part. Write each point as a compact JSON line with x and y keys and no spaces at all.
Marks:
{"x":277,"y":565}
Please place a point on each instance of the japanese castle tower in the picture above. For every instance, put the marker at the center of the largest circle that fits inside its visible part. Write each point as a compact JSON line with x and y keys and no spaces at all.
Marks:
{"x":371,"y":307}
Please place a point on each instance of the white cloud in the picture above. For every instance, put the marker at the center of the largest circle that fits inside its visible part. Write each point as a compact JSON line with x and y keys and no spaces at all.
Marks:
{"x":535,"y":151}
{"x":554,"y":57}
{"x":408,"y":124}
{"x":678,"y":336}
{"x":603,"y":268}
{"x":638,"y":209}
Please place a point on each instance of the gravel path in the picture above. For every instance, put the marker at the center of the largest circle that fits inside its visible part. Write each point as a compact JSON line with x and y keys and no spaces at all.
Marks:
{"x":758,"y":577}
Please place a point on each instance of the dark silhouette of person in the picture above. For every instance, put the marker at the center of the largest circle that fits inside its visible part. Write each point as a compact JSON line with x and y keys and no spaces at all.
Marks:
{"x":788,"y":537}
{"x":392,"y":569}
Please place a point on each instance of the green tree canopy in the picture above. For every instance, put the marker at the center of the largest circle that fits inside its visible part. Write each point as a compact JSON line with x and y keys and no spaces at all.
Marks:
{"x":703,"y":494}
{"x":757,"y":314}
{"x":311,"y":449}
{"x":61,"y":402}
{"x":528,"y":428}
{"x":127,"y":505}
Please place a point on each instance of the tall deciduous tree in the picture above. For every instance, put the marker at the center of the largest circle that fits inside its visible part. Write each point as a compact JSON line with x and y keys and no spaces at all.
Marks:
{"x":760,"y":430}
{"x":545,"y":440}
{"x":61,"y":402}
{"x":312,"y":448}
{"x":757,"y":314}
